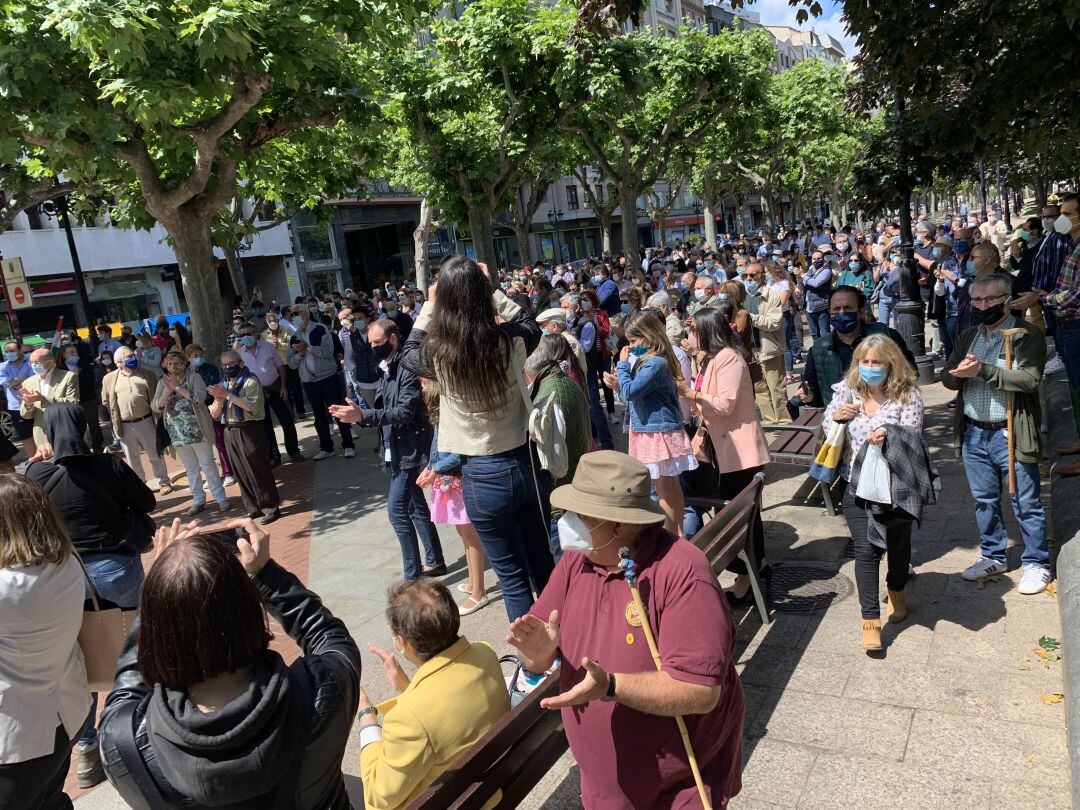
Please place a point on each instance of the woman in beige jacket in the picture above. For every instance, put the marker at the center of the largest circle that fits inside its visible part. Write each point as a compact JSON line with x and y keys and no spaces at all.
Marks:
{"x":180,"y":399}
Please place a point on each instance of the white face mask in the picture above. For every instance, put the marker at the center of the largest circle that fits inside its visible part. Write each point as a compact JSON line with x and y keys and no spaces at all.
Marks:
{"x":574,"y":535}
{"x":1063,"y":224}
{"x":701,"y":294}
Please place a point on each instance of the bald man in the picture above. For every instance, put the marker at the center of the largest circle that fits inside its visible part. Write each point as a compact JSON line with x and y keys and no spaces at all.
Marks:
{"x":126,"y":393}
{"x":48,"y":385}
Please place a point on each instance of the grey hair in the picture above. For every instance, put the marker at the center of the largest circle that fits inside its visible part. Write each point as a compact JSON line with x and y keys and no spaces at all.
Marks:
{"x":549,"y":352}
{"x":122,"y":353}
{"x":988,"y":247}
{"x":231,"y":355}
{"x":1002,"y":281}
{"x":573,"y":298}
{"x":660,"y":300}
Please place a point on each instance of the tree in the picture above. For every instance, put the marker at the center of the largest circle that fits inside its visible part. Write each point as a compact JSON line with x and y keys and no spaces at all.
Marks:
{"x":659,"y":204}
{"x":186,"y":96}
{"x":476,"y":100}
{"x":603,"y":199}
{"x":651,"y":96}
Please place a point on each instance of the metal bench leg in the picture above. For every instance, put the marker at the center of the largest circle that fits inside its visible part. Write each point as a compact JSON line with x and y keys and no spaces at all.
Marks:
{"x":755,"y":586}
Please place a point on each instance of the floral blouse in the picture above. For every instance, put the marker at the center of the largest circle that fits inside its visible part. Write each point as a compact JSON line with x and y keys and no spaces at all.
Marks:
{"x":908,"y":413}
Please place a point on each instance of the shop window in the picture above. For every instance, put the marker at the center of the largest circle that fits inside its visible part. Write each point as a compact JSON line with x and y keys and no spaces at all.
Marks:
{"x":572,"y":203}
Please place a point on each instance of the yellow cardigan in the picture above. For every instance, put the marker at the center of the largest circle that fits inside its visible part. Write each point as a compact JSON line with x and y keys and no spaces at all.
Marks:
{"x":453,"y":700}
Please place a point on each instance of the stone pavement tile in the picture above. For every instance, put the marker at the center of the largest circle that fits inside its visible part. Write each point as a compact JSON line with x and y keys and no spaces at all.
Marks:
{"x":841,"y":780}
{"x":834,"y":724}
{"x":818,"y":672}
{"x":839,"y":635}
{"x":785,"y":630}
{"x":559,"y":789}
{"x":957,"y":686}
{"x":1007,"y":793}
{"x":996,"y":648}
{"x":986,"y":746}
{"x":739,"y":803}
{"x":775,"y":772}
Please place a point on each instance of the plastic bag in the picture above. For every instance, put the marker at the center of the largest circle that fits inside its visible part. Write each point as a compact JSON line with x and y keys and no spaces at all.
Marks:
{"x":874,"y":480}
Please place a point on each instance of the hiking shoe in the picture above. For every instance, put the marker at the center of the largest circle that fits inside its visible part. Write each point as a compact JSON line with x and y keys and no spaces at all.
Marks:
{"x":985,"y":567}
{"x":1053,"y":366}
{"x":88,"y":770}
{"x":1034,"y":580}
{"x":322,"y":454}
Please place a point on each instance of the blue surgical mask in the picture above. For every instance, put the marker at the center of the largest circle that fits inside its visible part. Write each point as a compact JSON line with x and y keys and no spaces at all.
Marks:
{"x":197,"y":361}
{"x":297,"y":321}
{"x":639,"y":350}
{"x":844,"y":322}
{"x":71,"y":362}
{"x":11,"y":357}
{"x":700,"y":267}
{"x":597,"y":279}
{"x":360,"y":325}
{"x":970,"y":267}
{"x":961,"y":246}
{"x":248,"y":340}
{"x":872,"y":375}
{"x":853,"y":265}
{"x":131,"y":363}
{"x":938,"y":252}
{"x":38,"y":369}
{"x":752,"y":287}
{"x":625,"y":308}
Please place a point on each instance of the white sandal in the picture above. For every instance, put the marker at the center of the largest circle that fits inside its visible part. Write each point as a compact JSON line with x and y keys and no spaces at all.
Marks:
{"x":485,"y":600}
{"x":465,"y":587}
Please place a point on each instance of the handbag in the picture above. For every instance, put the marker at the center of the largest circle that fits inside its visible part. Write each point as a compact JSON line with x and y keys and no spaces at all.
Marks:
{"x":830,"y":455}
{"x":101,"y":637}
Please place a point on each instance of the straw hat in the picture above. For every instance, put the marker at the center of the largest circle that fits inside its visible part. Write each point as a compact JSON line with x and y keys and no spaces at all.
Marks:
{"x":610,"y":486}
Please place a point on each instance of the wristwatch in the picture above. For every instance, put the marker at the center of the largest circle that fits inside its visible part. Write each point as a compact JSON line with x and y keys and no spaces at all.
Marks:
{"x":366,"y":711}
{"x":610,"y":694}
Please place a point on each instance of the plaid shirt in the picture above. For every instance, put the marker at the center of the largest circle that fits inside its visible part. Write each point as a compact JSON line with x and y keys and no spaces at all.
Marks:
{"x":982,"y":401}
{"x":1064,"y":301}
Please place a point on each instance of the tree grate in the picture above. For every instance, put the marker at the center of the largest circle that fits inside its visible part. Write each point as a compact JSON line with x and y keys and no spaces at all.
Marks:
{"x":797,"y":588}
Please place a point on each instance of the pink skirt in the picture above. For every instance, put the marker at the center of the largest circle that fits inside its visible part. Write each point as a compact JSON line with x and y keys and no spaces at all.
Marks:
{"x":447,"y":502}
{"x":665,"y":453}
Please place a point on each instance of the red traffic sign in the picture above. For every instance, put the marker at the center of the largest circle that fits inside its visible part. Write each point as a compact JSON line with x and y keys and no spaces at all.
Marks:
{"x":20,"y":295}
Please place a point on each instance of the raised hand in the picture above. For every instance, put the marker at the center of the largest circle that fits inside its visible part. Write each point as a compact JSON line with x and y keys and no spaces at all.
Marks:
{"x":592,"y":687}
{"x":537,"y":641}
{"x":395,"y":675}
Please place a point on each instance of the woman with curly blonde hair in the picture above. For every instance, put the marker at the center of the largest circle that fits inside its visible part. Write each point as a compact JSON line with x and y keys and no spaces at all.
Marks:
{"x":879,"y":389}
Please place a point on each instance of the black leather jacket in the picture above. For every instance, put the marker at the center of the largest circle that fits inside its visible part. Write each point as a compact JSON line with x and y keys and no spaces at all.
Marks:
{"x":331,"y":663}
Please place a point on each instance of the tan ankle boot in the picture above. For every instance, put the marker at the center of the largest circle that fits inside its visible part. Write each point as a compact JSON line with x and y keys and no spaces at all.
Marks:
{"x":871,"y":634}
{"x":897,"y":607}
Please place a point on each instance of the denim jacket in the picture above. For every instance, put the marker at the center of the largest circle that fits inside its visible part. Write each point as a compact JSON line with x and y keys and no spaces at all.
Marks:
{"x":650,"y":394}
{"x":443,"y":463}
{"x":402,"y":419}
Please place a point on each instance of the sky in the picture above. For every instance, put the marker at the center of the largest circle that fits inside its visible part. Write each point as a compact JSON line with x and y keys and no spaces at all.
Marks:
{"x":778,"y":12}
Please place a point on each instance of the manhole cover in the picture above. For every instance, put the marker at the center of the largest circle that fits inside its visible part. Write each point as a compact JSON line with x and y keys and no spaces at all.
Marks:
{"x":801,"y":587}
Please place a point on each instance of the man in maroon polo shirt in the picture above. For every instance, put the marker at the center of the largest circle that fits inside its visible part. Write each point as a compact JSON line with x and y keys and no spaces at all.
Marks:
{"x":618,"y":710}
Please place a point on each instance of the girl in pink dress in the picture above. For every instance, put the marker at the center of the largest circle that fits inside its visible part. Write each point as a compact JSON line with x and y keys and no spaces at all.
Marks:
{"x":443,"y":474}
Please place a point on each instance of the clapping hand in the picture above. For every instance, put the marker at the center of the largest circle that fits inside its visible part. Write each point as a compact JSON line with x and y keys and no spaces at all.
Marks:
{"x":611,"y":381}
{"x":349,"y":412}
{"x":536,"y":641}
{"x":968,"y":367}
{"x":395,"y":675}
{"x":592,"y":687}
{"x":217,"y":391}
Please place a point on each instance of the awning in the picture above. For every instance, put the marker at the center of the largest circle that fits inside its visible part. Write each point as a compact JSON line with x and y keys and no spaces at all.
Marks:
{"x":117,"y":290}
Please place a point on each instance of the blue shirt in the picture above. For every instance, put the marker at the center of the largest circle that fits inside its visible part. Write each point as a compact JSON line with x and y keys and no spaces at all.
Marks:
{"x":8,"y":372}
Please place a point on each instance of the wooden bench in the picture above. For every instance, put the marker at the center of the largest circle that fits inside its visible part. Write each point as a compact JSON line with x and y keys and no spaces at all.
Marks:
{"x":726,"y":536}
{"x":797,"y":444}
{"x":512,"y":757}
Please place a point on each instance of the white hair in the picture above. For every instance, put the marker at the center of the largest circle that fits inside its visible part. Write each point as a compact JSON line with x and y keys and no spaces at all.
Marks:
{"x":660,"y":300}
{"x":122,"y":353}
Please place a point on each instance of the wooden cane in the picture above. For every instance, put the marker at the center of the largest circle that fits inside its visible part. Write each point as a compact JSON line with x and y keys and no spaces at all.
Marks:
{"x":626,"y":562}
{"x":1008,"y":334}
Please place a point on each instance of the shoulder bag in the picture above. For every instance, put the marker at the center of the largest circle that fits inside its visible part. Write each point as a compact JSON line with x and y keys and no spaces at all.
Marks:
{"x":101,"y":637}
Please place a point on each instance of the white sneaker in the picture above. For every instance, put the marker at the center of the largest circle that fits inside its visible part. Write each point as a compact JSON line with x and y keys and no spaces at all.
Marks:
{"x":1034,"y":580}
{"x":228,"y":481}
{"x":1054,"y":365}
{"x":985,"y":567}
{"x":349,"y":452}
{"x":322,"y":454}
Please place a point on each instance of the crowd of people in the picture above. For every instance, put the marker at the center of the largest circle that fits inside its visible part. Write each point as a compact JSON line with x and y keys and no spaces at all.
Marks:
{"x":496,"y":398}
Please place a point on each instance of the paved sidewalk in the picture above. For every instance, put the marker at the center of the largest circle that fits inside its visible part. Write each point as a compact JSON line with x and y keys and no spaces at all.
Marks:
{"x":949,"y":717}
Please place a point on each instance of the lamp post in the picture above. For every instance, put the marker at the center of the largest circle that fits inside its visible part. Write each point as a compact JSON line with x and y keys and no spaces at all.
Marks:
{"x":696,"y":208}
{"x":555,"y":217}
{"x":60,"y":209}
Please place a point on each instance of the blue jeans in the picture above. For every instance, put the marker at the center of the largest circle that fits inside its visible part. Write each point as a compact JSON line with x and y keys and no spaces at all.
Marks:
{"x":793,"y":351}
{"x":514,"y":528}
{"x":986,"y":462}
{"x":596,"y":414}
{"x":1067,"y":341}
{"x":818,"y":323}
{"x":118,"y":579}
{"x":321,"y":395}
{"x":408,"y":511}
{"x":885,"y":307}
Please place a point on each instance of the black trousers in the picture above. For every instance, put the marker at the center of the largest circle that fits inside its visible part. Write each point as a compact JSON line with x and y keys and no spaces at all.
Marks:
{"x":251,"y":467}
{"x":296,"y":391}
{"x":893,"y":535}
{"x":38,"y":784}
{"x":93,"y":423}
{"x":731,"y":484}
{"x":275,"y":406}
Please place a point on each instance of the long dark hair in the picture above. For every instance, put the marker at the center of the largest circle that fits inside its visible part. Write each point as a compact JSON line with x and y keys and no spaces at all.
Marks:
{"x":714,"y":332}
{"x":465,"y":346}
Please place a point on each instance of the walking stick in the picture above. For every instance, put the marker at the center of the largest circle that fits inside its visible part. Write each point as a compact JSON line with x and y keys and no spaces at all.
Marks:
{"x":626,"y":562}
{"x":1008,"y":333}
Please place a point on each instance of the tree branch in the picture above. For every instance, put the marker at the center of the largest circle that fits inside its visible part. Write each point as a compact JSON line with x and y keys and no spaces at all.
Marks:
{"x":272,"y":128}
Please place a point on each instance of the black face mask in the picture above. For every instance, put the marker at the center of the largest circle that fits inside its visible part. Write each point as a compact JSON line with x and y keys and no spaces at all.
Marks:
{"x":989,"y":315}
{"x":231,"y":371}
{"x":382,"y":352}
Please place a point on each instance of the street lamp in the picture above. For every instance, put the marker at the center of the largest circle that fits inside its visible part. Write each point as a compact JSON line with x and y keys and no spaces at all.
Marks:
{"x":555,"y":216}
{"x":697,"y":214}
{"x":59,"y":208}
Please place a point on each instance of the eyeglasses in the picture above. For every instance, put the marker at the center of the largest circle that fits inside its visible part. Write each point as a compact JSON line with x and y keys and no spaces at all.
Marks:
{"x":988,"y":300}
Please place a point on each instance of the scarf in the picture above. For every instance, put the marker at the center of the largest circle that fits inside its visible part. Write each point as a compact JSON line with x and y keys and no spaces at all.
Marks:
{"x":239,"y":414}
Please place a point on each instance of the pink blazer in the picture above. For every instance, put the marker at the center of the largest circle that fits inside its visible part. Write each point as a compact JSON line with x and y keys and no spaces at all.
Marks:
{"x":726,"y":404}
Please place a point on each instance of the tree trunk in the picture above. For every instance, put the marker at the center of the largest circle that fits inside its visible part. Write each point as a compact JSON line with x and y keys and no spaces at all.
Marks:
{"x":628,"y":205}
{"x":198,"y":272}
{"x":661,"y":222}
{"x":710,"y":227}
{"x":767,"y":209}
{"x":524,"y":251}
{"x":834,"y":207}
{"x":740,"y":226}
{"x":605,"y":232}
{"x":483,"y":240}
{"x":421,"y":237}
{"x":236,"y":272}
